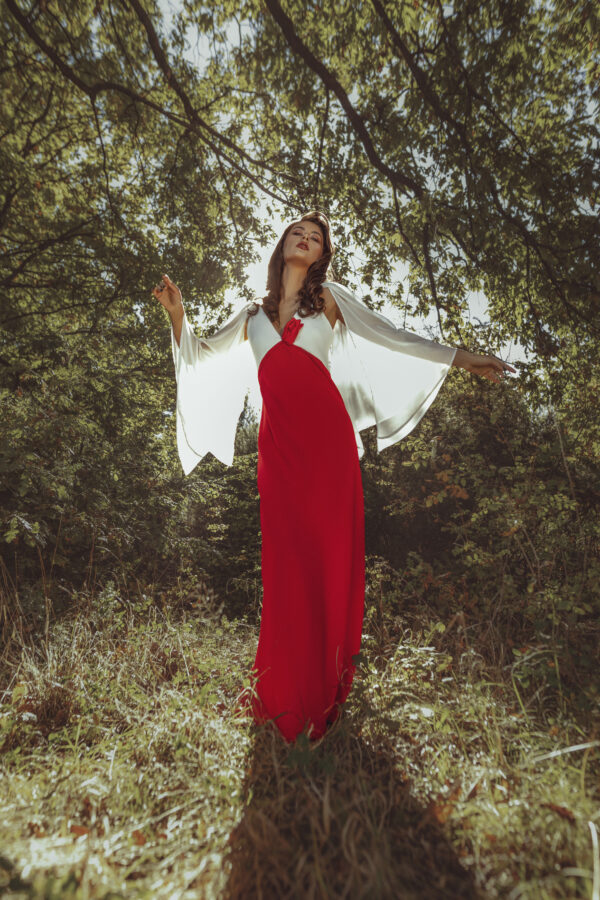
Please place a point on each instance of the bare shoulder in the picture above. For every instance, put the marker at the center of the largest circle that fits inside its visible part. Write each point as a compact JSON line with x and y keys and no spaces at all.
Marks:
{"x":328,"y":298}
{"x":331,"y":310}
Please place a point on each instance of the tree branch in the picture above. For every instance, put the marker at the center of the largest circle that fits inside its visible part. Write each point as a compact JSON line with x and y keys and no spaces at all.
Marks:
{"x":432,"y":284}
{"x":321,"y":142}
{"x":420,"y":77}
{"x":414,"y":253}
{"x":331,"y":82}
{"x":75,"y":231}
{"x":92,"y":91}
{"x":190,"y":111}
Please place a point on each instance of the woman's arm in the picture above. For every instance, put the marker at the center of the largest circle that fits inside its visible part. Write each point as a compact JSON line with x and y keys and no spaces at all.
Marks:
{"x":186,"y":343}
{"x":177,"y":321}
{"x":212,"y":381}
{"x":170,"y":297}
{"x":489,"y":367}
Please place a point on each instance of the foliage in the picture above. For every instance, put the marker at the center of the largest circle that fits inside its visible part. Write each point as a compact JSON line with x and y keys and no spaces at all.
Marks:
{"x":91,"y":214}
{"x":468,"y":153}
{"x":487,"y":513}
{"x":127,"y":772}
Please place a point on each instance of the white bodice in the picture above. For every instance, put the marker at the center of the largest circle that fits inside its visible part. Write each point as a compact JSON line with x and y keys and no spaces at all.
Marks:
{"x":316,"y":336}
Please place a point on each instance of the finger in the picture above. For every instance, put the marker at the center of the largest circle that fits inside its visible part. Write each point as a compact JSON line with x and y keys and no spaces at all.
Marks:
{"x":505,"y":367}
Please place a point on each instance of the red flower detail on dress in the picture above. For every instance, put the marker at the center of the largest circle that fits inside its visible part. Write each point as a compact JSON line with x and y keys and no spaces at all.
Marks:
{"x":291,"y":330}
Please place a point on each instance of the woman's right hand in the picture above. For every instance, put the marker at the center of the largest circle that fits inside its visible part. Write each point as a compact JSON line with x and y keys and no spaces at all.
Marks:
{"x":168,"y":294}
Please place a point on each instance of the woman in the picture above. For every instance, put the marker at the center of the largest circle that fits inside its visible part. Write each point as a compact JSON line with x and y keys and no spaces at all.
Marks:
{"x":327,"y":367}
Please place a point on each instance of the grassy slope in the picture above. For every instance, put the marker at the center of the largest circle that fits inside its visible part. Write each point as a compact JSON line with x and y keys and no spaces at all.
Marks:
{"x":125,"y":773}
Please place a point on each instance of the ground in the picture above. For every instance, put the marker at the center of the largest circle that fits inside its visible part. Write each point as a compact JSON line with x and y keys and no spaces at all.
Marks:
{"x":126,"y":772}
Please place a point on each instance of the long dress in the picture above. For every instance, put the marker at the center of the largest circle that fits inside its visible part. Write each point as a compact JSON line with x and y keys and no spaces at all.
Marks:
{"x":319,"y":387}
{"x":312,"y":524}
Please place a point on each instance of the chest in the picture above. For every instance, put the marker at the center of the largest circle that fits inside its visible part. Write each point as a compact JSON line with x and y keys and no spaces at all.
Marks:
{"x":312,"y":333}
{"x":287,"y":313}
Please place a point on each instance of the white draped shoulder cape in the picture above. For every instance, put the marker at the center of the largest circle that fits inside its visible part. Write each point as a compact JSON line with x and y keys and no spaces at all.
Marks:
{"x":387,"y":377}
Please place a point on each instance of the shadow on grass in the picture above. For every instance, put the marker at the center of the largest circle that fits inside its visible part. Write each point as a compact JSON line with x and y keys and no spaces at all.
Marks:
{"x":337,"y":819}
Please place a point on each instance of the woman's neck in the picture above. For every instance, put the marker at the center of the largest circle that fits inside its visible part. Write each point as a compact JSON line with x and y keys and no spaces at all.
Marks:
{"x":292,"y":279}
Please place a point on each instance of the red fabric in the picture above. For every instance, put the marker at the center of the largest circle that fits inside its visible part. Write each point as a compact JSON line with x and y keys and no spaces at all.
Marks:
{"x":312,"y":521}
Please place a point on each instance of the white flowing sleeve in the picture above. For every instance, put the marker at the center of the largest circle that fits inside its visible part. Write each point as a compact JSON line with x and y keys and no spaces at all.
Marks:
{"x":387,"y":376}
{"x":213,"y":376}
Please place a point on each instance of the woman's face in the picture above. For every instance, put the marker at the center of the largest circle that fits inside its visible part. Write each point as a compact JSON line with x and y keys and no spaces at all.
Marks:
{"x":303,"y":244}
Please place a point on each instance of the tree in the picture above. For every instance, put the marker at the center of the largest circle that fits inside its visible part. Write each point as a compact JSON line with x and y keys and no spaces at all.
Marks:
{"x":459,"y":139}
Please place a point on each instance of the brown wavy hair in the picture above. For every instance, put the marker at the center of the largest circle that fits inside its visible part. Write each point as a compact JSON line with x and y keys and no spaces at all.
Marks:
{"x":310,"y":301}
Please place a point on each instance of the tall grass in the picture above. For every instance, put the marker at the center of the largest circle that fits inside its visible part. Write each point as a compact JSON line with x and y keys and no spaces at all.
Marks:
{"x":126,"y":770}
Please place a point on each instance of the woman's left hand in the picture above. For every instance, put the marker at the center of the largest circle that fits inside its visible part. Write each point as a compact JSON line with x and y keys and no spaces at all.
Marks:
{"x":489,"y":367}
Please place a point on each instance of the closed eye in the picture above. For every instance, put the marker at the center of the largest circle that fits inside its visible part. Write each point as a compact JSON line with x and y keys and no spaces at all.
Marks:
{"x":314,"y":236}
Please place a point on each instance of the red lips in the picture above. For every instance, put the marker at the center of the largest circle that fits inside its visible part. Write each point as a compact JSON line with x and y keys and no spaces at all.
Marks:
{"x":302,"y":244}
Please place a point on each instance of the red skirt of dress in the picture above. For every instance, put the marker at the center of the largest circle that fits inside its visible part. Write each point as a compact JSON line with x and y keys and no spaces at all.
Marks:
{"x":313,"y":565}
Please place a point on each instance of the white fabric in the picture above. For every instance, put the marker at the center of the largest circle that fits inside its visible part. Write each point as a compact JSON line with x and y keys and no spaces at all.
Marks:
{"x":316,"y":335}
{"x":212,"y":375}
{"x":387,"y":376}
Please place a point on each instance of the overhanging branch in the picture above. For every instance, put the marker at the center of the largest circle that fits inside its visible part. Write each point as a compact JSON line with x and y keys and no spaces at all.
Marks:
{"x":331,"y":82}
{"x":196,"y":123}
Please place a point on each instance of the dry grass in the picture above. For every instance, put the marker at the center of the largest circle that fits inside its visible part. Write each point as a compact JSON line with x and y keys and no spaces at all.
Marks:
{"x":126,"y":773}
